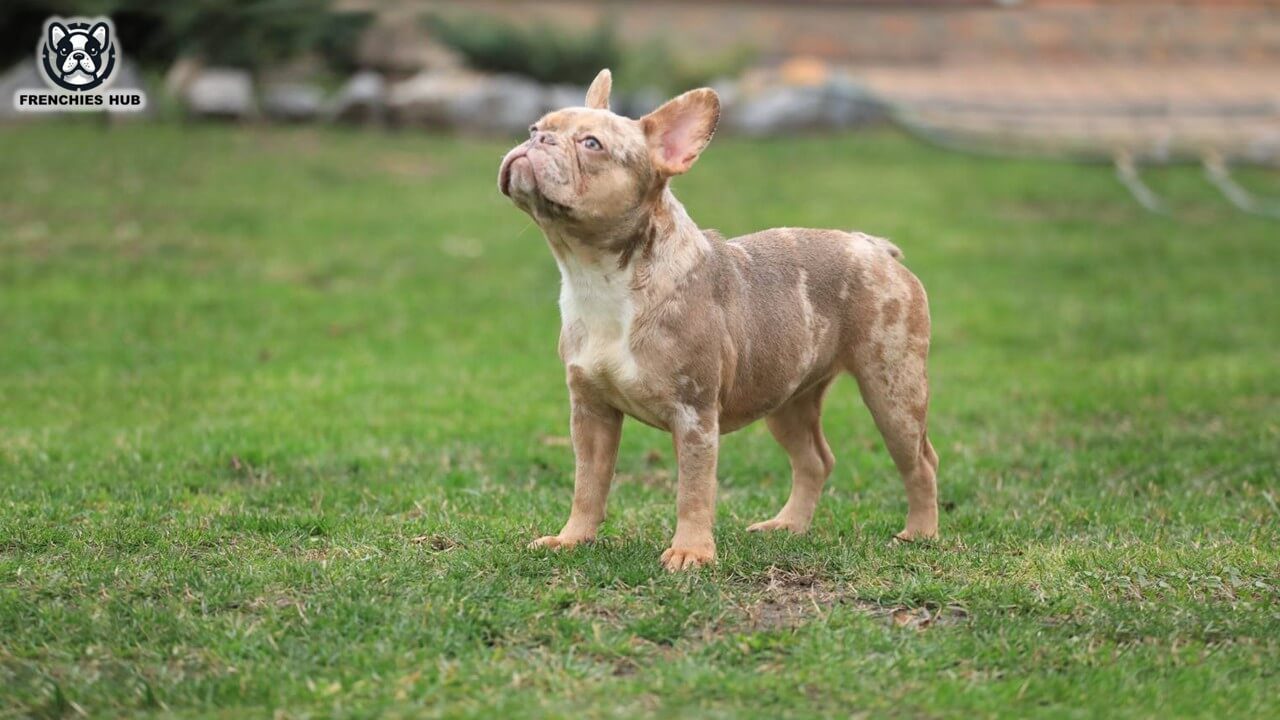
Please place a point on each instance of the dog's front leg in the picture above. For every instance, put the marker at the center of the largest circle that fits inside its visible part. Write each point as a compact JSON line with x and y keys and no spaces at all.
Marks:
{"x":596,"y":429}
{"x":697,"y":442}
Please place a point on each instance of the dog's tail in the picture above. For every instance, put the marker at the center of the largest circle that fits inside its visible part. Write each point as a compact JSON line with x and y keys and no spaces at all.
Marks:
{"x":893,"y":250}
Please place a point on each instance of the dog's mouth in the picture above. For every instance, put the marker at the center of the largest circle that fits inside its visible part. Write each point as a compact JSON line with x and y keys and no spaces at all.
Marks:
{"x":529,"y":195}
{"x":504,"y":174}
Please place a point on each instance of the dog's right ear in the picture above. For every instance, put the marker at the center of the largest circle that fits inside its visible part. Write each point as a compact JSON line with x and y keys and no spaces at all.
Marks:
{"x":57,"y":31}
{"x":598,"y":93}
{"x":679,"y":131}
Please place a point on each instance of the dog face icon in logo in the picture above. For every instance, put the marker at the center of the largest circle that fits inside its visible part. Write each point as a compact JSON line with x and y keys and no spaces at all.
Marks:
{"x":78,"y":55}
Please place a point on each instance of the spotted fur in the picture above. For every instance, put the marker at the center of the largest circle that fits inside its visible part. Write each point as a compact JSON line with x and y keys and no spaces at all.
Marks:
{"x":698,"y":336}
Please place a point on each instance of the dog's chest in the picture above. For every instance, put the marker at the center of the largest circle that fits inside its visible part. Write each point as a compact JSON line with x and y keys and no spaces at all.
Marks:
{"x":598,"y":310}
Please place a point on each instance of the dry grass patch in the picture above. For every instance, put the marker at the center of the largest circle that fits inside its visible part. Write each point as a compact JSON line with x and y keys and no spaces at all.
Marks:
{"x":790,"y":598}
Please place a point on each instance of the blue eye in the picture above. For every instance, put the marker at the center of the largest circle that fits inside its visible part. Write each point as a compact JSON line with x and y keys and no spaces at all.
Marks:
{"x":590,"y":143}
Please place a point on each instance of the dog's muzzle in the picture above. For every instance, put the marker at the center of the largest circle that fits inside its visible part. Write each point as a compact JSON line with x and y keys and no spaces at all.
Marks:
{"x":504,"y":171}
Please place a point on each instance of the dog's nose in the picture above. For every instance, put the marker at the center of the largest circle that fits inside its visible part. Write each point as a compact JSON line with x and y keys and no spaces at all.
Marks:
{"x":78,"y":56}
{"x":545,"y":138}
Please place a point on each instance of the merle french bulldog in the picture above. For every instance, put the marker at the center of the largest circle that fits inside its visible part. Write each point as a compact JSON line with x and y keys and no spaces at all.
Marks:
{"x":700,"y":336}
{"x":80,"y":52}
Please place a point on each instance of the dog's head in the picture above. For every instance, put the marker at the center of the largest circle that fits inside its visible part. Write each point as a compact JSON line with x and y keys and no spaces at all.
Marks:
{"x":590,"y":169}
{"x":79,"y":52}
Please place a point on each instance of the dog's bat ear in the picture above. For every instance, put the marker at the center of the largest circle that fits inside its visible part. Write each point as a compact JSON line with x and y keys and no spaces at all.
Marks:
{"x":679,"y":131}
{"x":100,"y":33}
{"x":598,"y":93}
{"x":57,"y":31}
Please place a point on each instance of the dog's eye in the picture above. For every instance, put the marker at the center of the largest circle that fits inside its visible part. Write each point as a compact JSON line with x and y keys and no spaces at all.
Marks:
{"x":93,"y":51}
{"x":590,"y":143}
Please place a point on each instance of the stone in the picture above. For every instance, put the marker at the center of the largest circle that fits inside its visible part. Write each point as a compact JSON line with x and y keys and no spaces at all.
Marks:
{"x":19,"y":77}
{"x":780,"y":109}
{"x":427,"y":99}
{"x":562,"y":96}
{"x":220,"y":93}
{"x":504,"y":104}
{"x":292,"y":101}
{"x":638,"y":103}
{"x":362,"y":99}
{"x":469,"y":102}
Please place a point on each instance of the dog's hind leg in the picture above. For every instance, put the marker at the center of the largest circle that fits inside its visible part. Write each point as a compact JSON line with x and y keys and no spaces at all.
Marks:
{"x":890,"y":367}
{"x":797,"y":426}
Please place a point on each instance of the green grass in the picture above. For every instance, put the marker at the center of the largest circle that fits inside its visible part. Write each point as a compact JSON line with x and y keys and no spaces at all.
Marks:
{"x":279,"y":411}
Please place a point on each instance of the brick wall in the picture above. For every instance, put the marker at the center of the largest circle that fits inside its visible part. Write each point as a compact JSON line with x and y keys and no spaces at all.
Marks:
{"x":913,"y":32}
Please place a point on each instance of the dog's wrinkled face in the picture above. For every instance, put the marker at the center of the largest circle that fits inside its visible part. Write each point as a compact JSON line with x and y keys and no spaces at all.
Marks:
{"x":79,"y":52}
{"x":590,"y":168}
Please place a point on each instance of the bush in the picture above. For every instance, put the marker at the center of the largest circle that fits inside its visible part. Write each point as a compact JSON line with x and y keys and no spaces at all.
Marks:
{"x":654,"y":64}
{"x":549,"y":55}
{"x":250,"y":34}
{"x":541,"y":52}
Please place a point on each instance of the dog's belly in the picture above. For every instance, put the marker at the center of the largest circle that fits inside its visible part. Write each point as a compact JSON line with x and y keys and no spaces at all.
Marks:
{"x":772,"y":385}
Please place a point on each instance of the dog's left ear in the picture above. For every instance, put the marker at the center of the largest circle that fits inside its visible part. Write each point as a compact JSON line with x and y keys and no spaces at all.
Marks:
{"x":598,"y":93}
{"x":100,"y":33}
{"x":679,"y":131}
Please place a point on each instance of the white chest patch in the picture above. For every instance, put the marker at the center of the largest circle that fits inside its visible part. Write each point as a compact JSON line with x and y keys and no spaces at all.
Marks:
{"x":596,"y":307}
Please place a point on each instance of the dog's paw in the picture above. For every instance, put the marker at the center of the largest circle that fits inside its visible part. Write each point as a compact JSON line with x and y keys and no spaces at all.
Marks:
{"x":909,"y":535}
{"x":675,"y":559}
{"x":779,"y":524}
{"x":558,"y":542}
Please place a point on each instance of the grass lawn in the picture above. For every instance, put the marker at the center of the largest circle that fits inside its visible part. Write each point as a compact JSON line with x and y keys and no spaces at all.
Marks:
{"x":279,"y":410}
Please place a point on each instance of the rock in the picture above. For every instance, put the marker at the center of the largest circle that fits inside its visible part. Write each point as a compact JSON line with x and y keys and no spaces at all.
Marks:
{"x":780,"y":109}
{"x":468,"y":102}
{"x":639,"y":103}
{"x":562,"y":96}
{"x":427,"y":99}
{"x":501,"y":104}
{"x":776,"y":110}
{"x":22,"y":76}
{"x":221,"y":93}
{"x":850,"y":104}
{"x":180,"y":75}
{"x":363,"y":99}
{"x":292,"y":101}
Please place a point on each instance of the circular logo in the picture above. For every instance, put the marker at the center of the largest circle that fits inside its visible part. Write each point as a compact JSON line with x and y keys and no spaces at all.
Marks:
{"x":78,"y":55}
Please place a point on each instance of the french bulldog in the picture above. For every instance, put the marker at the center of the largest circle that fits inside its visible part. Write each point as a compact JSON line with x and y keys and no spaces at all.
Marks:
{"x":79,"y":52}
{"x":698,"y":336}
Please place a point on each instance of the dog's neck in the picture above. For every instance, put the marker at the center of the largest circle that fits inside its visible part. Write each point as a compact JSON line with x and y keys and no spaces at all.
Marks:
{"x":658,"y":236}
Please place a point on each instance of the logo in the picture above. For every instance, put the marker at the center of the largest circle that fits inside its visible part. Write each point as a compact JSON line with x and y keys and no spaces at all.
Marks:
{"x":78,"y":56}
{"x":78,"y":59}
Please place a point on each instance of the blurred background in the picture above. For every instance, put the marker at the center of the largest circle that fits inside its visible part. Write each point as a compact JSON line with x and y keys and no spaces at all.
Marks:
{"x":1189,"y":79}
{"x":280,"y":404}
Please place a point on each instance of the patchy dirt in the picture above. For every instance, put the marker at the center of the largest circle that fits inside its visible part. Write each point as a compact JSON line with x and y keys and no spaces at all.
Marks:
{"x":789,"y":598}
{"x":435,"y":543}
